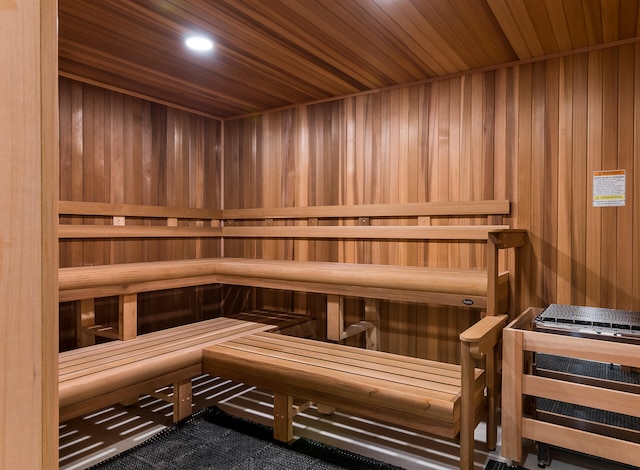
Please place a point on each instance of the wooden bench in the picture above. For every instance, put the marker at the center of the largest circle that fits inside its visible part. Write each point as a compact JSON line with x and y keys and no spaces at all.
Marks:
{"x":482,"y":288}
{"x":103,"y":374}
{"x":432,"y":397}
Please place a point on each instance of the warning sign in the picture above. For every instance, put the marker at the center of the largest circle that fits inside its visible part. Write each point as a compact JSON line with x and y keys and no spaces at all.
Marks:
{"x":609,"y":188}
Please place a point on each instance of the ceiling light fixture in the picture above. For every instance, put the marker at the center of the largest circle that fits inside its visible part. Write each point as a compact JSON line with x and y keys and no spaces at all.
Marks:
{"x":199,"y":43}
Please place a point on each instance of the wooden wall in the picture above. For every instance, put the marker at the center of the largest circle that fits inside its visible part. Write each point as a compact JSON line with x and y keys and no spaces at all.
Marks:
{"x":28,"y":248}
{"x":121,"y":149}
{"x":532,"y":133}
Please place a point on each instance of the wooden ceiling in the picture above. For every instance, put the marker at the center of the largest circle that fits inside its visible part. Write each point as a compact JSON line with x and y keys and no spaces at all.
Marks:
{"x":274,"y":53}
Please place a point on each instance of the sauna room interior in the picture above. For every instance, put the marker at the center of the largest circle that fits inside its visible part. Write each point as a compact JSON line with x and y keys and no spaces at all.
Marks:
{"x":389,"y":176}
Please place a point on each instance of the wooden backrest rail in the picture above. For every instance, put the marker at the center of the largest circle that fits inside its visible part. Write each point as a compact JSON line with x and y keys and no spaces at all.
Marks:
{"x":410,"y":209}
{"x":208,"y":221}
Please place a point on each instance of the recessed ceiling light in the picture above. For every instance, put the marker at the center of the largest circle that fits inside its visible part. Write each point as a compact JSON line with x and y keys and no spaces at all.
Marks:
{"x":199,"y":43}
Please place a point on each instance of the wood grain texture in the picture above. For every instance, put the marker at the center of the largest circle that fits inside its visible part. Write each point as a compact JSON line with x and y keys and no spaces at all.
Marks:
{"x":274,"y":54}
{"x":29,"y":254}
{"x":133,"y":154}
{"x":533,"y":134}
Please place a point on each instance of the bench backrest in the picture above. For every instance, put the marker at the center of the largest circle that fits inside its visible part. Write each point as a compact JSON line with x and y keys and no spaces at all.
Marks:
{"x":368,"y":221}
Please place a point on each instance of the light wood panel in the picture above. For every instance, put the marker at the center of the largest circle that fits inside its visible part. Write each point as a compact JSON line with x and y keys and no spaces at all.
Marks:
{"x":532,"y":133}
{"x":28,"y":187}
{"x":122,"y":150}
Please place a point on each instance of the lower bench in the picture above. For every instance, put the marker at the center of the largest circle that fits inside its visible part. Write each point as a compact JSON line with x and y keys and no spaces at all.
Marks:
{"x":96,"y":376}
{"x":424,"y":395}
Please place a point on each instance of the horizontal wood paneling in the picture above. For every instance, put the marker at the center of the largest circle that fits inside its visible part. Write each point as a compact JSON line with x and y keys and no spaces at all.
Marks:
{"x":531,"y":133}
{"x":123,"y":150}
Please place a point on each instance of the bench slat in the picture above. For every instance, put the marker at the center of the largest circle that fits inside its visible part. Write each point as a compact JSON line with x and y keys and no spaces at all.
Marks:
{"x":163,"y":340}
{"x":446,"y":388}
{"x":113,"y":375}
{"x":68,"y":231}
{"x":300,"y":372}
{"x":370,"y":232}
{"x":449,"y":280}
{"x":353,"y":355}
{"x":443,"y":280}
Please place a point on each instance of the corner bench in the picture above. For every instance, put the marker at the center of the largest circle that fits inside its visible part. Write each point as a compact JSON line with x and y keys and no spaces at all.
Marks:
{"x":428,"y":396}
{"x":424,"y":402}
{"x":100,"y":375}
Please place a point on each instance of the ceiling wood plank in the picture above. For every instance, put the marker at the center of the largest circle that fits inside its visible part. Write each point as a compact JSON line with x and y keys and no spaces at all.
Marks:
{"x":278,"y":53}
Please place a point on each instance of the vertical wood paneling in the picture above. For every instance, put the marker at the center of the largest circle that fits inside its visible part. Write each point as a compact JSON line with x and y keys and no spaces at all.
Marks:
{"x":635,"y":302}
{"x":121,"y":149}
{"x":531,"y":133}
{"x":609,"y":229}
{"x":565,"y":191}
{"x":624,"y":242}
{"x":579,"y":182}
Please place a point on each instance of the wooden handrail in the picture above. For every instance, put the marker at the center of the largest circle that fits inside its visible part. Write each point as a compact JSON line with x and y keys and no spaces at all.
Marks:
{"x":371,"y":232}
{"x":135,"y":210}
{"x":136,"y":231}
{"x":411,"y":209}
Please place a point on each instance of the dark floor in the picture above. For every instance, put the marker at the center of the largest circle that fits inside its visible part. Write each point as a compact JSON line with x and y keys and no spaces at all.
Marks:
{"x":90,"y":439}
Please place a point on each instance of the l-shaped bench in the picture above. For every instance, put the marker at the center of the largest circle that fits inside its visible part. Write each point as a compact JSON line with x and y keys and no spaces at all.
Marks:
{"x":485,"y":289}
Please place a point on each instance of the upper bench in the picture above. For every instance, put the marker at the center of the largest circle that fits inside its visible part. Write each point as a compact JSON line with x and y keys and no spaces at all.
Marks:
{"x":485,"y":289}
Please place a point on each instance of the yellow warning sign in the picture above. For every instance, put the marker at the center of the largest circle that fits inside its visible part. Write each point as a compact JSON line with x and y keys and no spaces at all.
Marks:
{"x":609,"y":188}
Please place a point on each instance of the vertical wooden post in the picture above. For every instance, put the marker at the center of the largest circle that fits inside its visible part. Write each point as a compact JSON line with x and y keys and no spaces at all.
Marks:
{"x":467,"y":408}
{"x":85,"y":317}
{"x":512,"y":371}
{"x":282,"y":417}
{"x":128,"y":316}
{"x":28,"y":241}
{"x":182,"y":400}
{"x":372,"y":315}
{"x":335,"y":317}
{"x":492,"y":395}
{"x":492,"y":276}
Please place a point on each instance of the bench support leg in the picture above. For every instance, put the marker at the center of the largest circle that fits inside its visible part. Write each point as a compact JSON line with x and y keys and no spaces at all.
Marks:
{"x":128,"y":316}
{"x":283,"y":413}
{"x":85,"y":318}
{"x":335,"y":317}
{"x":492,"y":398}
{"x":372,"y":316}
{"x":182,"y":399}
{"x":467,"y":409}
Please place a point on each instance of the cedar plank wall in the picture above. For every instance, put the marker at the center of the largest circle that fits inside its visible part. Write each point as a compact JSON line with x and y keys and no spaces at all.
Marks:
{"x":121,"y":149}
{"x":532,"y":133}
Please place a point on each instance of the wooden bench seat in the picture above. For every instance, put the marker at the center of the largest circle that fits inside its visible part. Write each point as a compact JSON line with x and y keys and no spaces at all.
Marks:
{"x":448,"y":286}
{"x":478,"y":284}
{"x":103,"y":374}
{"x":437,"y":398}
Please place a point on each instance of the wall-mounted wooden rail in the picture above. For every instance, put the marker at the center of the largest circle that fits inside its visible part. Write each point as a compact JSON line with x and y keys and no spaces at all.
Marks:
{"x":205,"y":222}
{"x":410,"y":209}
{"x":485,"y":289}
